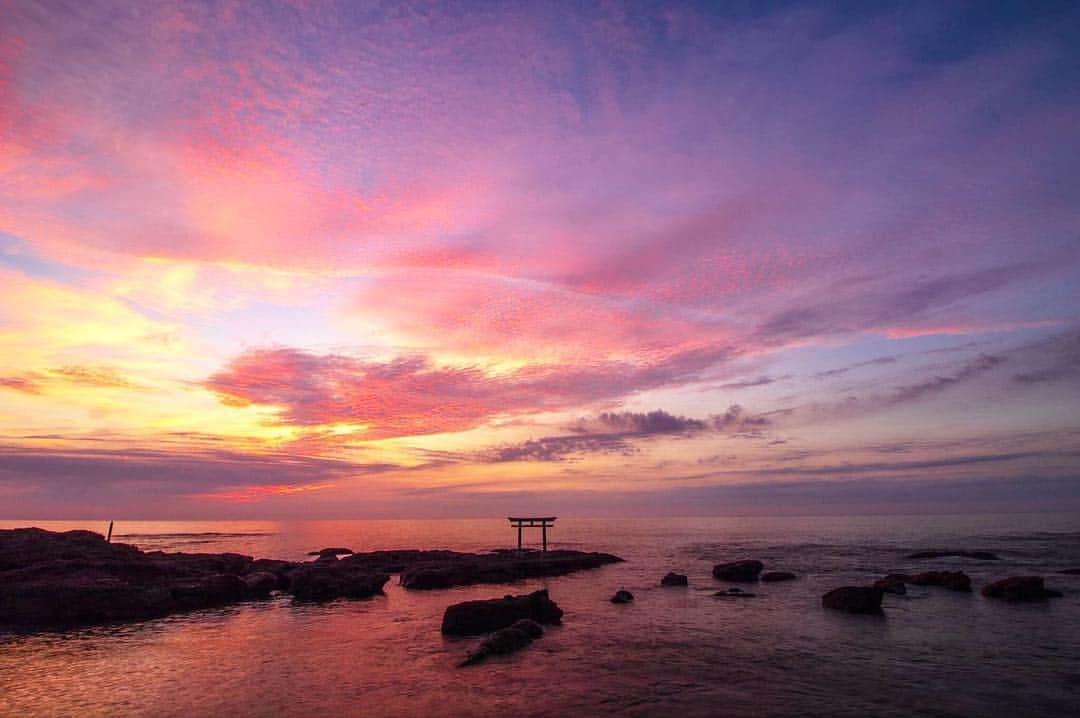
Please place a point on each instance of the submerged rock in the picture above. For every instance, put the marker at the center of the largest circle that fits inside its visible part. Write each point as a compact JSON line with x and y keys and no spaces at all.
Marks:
{"x":853,"y":599}
{"x":1072,"y":571}
{"x":776,"y":576}
{"x":622,"y":596}
{"x":895,"y":583}
{"x":472,"y":618}
{"x":1020,"y":589}
{"x":734,"y":593}
{"x":674,"y":579}
{"x":506,"y":641}
{"x":979,"y":555}
{"x":529,"y":626}
{"x":745,"y":571}
{"x":952,"y":580}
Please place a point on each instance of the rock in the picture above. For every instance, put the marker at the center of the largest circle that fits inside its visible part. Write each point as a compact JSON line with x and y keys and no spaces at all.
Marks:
{"x":323,"y":580}
{"x":326,"y":558}
{"x":622,"y":596}
{"x":744,"y":571}
{"x":674,"y":579}
{"x":980,"y":555}
{"x":466,"y":569}
{"x":775,"y":576}
{"x":734,"y":593}
{"x":1072,"y":571}
{"x":1020,"y":589}
{"x":335,"y":552}
{"x":895,"y":583}
{"x":952,"y":580}
{"x":50,"y":579}
{"x":215,"y":590}
{"x":260,"y":583}
{"x":472,"y":618}
{"x":529,"y":626}
{"x":853,"y":599}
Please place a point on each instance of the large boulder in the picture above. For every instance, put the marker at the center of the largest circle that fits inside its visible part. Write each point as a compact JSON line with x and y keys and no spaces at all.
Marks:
{"x":744,"y":571}
{"x":777,"y":576}
{"x":853,"y":599}
{"x":1020,"y":589}
{"x":472,"y":618}
{"x":321,"y":581}
{"x":948,"y":553}
{"x":674,"y":579}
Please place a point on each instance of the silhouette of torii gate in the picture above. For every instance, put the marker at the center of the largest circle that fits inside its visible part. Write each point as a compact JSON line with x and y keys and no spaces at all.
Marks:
{"x":541,"y":522}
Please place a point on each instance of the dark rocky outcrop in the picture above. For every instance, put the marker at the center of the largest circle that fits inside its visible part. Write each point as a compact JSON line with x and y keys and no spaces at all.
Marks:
{"x":506,"y":640}
{"x":853,"y":599}
{"x":948,"y":553}
{"x":50,"y":580}
{"x":734,"y":593}
{"x":335,"y":552}
{"x":1020,"y":589}
{"x":622,"y":596}
{"x":744,"y":571}
{"x":895,"y":583}
{"x":674,"y":579}
{"x":472,"y":618}
{"x":1071,"y":572}
{"x":323,"y":580}
{"x":777,"y":576}
{"x":450,"y":569}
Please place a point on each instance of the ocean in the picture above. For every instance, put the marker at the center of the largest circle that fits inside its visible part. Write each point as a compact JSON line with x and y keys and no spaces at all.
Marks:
{"x":672,"y":652}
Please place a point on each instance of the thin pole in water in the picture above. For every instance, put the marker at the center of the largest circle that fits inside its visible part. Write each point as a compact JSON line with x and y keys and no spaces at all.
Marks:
{"x":109,"y":537}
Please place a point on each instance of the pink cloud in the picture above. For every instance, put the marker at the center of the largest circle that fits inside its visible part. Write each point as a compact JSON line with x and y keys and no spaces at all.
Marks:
{"x":412,"y":396}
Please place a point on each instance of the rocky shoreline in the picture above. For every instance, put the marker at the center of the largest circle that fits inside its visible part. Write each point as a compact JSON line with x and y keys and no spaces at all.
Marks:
{"x":55,"y":580}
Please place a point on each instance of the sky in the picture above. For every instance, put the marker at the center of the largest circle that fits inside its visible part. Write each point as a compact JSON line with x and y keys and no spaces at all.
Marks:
{"x":347,"y":260}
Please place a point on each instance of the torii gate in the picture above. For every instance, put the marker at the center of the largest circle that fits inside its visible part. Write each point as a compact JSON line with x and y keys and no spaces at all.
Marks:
{"x":541,"y":522}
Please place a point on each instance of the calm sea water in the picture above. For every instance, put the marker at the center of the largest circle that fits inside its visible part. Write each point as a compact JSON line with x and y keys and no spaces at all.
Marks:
{"x":672,"y":652}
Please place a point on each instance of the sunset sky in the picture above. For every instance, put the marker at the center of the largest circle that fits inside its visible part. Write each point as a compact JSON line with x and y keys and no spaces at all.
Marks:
{"x":369,"y":259}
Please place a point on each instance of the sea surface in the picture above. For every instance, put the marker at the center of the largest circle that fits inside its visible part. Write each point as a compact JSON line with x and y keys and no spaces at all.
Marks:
{"x":672,"y":652}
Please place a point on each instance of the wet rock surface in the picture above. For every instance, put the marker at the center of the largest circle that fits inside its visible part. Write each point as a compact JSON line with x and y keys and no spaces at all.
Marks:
{"x":951,"y":580}
{"x":674,"y":579}
{"x":854,"y":599}
{"x":506,"y":640}
{"x":1020,"y":589}
{"x":895,"y":583}
{"x":746,"y":571}
{"x":622,"y":596}
{"x":472,"y":618}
